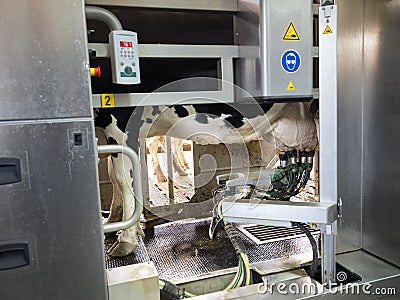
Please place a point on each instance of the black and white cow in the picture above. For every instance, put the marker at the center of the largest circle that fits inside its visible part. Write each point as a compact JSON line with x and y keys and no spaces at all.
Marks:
{"x":287,"y":125}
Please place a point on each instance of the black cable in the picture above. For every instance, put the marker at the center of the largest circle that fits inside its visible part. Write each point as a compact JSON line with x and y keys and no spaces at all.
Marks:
{"x":235,"y":238}
{"x":172,"y":290}
{"x":238,"y":245}
{"x":314,"y":264}
{"x":303,"y":183}
{"x":244,"y":274}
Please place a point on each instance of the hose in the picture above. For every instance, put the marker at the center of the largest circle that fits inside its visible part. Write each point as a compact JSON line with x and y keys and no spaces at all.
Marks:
{"x":238,"y":279}
{"x":173,"y":290}
{"x":314,"y":264}
{"x":242,"y":275}
{"x":240,"y":249}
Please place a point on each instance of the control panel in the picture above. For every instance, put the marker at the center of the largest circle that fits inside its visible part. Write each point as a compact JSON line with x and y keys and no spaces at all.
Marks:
{"x":124,"y":57}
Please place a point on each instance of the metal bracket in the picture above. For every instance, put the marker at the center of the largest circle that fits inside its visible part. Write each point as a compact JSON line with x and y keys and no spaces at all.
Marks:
{"x":225,"y":93}
{"x":256,"y":211}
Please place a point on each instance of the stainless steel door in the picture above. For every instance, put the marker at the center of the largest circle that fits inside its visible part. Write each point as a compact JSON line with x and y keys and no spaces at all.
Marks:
{"x":43,"y":60}
{"x":381,"y":132}
{"x":50,"y":232}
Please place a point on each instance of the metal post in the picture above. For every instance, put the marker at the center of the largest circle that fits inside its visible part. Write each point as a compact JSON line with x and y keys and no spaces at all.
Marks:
{"x":170,"y":171}
{"x":137,"y":183}
{"x":145,"y":175}
{"x":328,"y":131}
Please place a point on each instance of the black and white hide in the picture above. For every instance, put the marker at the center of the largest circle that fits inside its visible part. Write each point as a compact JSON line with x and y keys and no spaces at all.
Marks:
{"x":286,"y":125}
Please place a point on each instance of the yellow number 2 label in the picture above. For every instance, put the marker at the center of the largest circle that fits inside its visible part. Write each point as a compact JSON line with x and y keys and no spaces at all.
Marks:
{"x":107,"y":100}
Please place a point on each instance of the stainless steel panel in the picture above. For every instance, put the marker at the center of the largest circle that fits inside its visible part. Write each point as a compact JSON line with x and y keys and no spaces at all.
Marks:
{"x":350,"y":72}
{"x":260,"y":27}
{"x":217,"y":5}
{"x":369,"y":267}
{"x":43,"y":58}
{"x":381,"y":111}
{"x":55,"y":209}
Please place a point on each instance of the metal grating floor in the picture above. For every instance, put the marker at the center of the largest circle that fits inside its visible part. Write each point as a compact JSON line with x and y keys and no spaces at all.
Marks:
{"x":139,"y":256}
{"x":182,"y":250}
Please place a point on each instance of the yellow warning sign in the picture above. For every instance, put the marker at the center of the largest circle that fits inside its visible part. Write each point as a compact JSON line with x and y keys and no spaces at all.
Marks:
{"x":291,"y":34}
{"x":107,"y":100}
{"x":327,"y":30}
{"x":290,"y":86}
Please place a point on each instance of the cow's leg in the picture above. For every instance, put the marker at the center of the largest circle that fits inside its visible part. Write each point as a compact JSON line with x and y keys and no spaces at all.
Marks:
{"x":153,"y":149}
{"x":127,"y":241}
{"x":116,"y":204}
{"x":175,"y":159}
{"x":178,"y":166}
{"x":181,"y":156}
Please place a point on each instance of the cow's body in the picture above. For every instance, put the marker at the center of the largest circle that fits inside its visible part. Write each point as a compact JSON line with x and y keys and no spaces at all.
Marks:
{"x":288,"y":126}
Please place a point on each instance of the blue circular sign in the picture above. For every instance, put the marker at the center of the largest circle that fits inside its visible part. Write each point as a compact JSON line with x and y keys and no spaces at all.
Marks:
{"x":291,"y":61}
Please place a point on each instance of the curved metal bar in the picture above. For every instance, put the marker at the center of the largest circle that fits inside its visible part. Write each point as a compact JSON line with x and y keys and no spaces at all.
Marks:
{"x":137,"y":183}
{"x":103,"y":15}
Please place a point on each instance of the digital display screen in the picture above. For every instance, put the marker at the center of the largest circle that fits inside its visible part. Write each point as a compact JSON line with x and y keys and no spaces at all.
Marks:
{"x":125,"y":44}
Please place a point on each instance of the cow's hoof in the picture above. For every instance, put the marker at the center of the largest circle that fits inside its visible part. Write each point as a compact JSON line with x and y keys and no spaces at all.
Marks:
{"x":149,"y":233}
{"x":121,"y":249}
{"x":140,"y":231}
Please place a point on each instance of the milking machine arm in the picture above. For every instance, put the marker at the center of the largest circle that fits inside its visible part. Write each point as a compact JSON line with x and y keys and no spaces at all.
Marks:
{"x":264,"y":199}
{"x":287,"y":180}
{"x":291,"y":176}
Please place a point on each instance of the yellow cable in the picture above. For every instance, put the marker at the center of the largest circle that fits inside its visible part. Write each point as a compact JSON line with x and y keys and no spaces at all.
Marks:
{"x":235,"y":278}
{"x":245,"y":259}
{"x":189,"y":294}
{"x":161,"y":284}
{"x":240,"y":280}
{"x":220,"y":210}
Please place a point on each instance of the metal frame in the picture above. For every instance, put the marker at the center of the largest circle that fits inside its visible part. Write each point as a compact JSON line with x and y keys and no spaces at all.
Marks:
{"x":325,"y":212}
{"x":271,"y":210}
{"x":328,"y":134}
{"x":212,"y":5}
{"x":137,"y":182}
{"x":225,"y":94}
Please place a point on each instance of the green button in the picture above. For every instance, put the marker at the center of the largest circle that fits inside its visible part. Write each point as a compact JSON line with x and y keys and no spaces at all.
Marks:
{"x":132,"y":75}
{"x":128,"y":70}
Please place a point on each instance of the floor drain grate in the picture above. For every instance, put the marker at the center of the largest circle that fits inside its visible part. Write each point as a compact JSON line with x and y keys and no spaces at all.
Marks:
{"x":262,"y":234}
